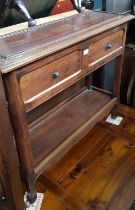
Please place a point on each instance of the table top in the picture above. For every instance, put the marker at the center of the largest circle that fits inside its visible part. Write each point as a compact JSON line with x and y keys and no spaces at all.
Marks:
{"x":24,"y":46}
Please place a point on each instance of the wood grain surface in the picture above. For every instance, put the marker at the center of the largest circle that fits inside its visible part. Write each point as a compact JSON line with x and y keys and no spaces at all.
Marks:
{"x":99,"y":170}
{"x":64,"y":122}
{"x":25,"y":46}
{"x":40,"y":85}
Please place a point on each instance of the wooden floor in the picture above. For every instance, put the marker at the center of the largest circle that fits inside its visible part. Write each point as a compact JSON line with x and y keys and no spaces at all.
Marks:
{"x":99,"y":170}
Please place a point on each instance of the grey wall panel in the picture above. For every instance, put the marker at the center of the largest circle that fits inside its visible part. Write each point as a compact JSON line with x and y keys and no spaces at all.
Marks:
{"x":118,"y":6}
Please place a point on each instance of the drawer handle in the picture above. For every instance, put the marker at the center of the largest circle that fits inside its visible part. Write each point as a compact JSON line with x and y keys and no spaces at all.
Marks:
{"x":108,"y":46}
{"x":55,"y":74}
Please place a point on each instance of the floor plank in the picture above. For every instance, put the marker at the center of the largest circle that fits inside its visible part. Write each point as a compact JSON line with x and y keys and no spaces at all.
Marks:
{"x":100,"y":169}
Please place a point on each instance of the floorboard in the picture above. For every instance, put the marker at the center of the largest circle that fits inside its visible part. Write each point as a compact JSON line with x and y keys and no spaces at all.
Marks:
{"x":100,"y":169}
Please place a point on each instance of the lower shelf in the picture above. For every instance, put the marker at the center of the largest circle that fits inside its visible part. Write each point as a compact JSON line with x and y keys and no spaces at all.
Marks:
{"x":58,"y":130}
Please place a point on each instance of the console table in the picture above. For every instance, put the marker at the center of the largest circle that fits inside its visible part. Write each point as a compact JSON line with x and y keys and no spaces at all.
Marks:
{"x":47,"y":76}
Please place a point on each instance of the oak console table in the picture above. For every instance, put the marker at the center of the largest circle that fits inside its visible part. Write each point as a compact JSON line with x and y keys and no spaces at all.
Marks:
{"x":47,"y":75}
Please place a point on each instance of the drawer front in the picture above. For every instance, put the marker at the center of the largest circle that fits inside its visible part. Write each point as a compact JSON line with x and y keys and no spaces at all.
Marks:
{"x":101,"y":49}
{"x":42,"y":83}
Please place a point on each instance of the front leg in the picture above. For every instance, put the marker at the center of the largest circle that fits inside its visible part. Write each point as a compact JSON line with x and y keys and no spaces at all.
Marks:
{"x":78,"y":6}
{"x":21,"y":9}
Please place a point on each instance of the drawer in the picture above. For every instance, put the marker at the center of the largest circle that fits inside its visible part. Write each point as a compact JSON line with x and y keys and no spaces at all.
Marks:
{"x":39,"y":85}
{"x":101,"y":49}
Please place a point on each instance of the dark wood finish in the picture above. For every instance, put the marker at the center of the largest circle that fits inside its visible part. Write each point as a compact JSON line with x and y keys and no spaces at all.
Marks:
{"x":39,"y":85}
{"x":117,"y":78}
{"x":41,"y":146}
{"x":53,"y":103}
{"x":11,"y":197}
{"x":99,"y":170}
{"x":74,"y":138}
{"x":39,"y":65}
{"x":27,"y":43}
{"x":76,"y":47}
{"x":21,"y":131}
{"x":36,"y":89}
{"x":103,"y":47}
